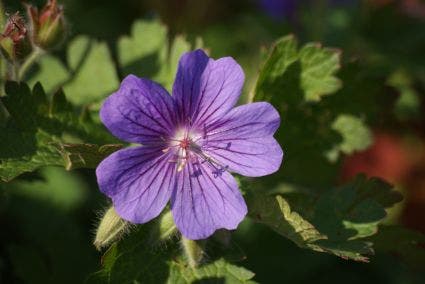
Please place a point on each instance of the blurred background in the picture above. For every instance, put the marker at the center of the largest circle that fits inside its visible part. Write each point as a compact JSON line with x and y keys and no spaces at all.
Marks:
{"x":47,"y":219}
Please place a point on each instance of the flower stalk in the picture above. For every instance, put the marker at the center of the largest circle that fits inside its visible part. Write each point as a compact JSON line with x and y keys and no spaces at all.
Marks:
{"x":29,"y":62}
{"x":193,"y":251}
{"x":167,"y":228}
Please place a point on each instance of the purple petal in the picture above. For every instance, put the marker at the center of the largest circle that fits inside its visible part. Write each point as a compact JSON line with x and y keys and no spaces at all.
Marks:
{"x":242,"y":141}
{"x":141,"y":111}
{"x":206,"y":89}
{"x":203,"y":202}
{"x":139,"y":181}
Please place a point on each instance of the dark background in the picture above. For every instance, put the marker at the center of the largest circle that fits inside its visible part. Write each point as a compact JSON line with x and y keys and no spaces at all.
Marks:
{"x":48,"y":234}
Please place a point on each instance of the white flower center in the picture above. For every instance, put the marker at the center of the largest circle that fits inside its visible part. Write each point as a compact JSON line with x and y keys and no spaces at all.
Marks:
{"x":186,"y":143}
{"x":187,"y":147}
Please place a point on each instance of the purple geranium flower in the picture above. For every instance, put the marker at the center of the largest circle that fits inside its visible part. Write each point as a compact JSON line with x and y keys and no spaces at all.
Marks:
{"x":191,"y":141}
{"x":285,"y":9}
{"x":279,"y":9}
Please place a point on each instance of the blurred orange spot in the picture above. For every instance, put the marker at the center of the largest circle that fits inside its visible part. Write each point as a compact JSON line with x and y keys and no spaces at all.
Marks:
{"x":386,"y":159}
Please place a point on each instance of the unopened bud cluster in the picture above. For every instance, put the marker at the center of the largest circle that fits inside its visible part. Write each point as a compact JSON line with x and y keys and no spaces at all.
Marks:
{"x":43,"y":29}
{"x":47,"y":25}
{"x":14,"y":41}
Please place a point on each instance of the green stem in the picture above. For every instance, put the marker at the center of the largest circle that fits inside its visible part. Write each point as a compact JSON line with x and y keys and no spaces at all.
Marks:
{"x":2,"y":14}
{"x":4,"y":114}
{"x":193,"y":251}
{"x":14,"y":71}
{"x":3,"y":75}
{"x":167,"y":227}
{"x":31,"y":59}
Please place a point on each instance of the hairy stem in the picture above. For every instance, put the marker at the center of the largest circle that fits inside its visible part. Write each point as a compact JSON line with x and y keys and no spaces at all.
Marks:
{"x":2,"y":15}
{"x":193,"y":251}
{"x":14,"y":71}
{"x":31,"y":59}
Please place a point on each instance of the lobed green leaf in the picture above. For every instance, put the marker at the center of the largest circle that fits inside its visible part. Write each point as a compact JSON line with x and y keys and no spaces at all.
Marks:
{"x":37,"y":133}
{"x":85,"y":155}
{"x":89,"y":75}
{"x":314,"y":129}
{"x":337,"y":221}
{"x":313,"y":65}
{"x":148,"y":53}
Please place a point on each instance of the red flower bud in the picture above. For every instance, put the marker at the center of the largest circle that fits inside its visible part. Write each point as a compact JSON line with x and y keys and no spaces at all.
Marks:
{"x":14,"y":41}
{"x":48,"y":25}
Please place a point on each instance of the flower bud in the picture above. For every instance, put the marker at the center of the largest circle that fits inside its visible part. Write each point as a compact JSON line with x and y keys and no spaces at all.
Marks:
{"x":48,"y":25}
{"x":14,"y":41}
{"x":111,"y":228}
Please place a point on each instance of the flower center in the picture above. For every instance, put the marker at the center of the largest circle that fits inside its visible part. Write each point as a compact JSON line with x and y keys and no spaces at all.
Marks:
{"x":187,"y":148}
{"x":184,"y":143}
{"x":185,"y":139}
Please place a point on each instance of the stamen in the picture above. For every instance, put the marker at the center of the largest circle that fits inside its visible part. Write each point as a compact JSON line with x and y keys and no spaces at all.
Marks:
{"x":186,"y":143}
{"x":180,"y":166}
{"x":220,"y":171}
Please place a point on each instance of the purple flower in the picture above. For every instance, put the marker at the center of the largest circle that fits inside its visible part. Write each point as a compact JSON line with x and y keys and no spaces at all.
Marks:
{"x":279,"y":9}
{"x":191,"y":142}
{"x":286,"y":9}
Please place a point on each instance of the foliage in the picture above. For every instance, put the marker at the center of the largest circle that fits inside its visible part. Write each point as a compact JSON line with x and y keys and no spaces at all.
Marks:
{"x":307,"y":111}
{"x":313,"y":65}
{"x":146,"y":53}
{"x":336,"y":222}
{"x":37,"y":138}
{"x":122,"y":263}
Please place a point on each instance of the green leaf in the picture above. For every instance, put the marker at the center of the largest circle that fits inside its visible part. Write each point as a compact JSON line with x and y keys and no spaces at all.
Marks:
{"x":139,"y":53}
{"x":148,"y":53}
{"x":336,"y":222}
{"x":354,"y":210}
{"x":36,"y":126}
{"x":169,"y":64}
{"x":140,"y":258}
{"x":318,"y":67}
{"x":356,"y":136}
{"x":94,"y":75}
{"x":314,"y":130}
{"x":313,"y":65}
{"x":407,"y":105}
{"x":24,"y":146}
{"x":51,"y":73}
{"x":282,"y":219}
{"x":217,"y":271}
{"x":85,"y":155}
{"x":90,"y":74}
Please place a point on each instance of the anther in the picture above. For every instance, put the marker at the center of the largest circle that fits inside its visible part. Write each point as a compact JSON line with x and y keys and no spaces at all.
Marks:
{"x":166,"y":150}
